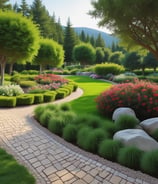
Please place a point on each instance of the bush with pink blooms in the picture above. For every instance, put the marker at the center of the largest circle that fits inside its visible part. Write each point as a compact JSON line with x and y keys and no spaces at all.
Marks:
{"x":50,"y":78}
{"x":141,"y":96}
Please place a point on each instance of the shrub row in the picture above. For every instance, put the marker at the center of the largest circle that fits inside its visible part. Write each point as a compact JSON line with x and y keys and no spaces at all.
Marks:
{"x":94,"y":134}
{"x":36,"y":98}
{"x":106,"y":68}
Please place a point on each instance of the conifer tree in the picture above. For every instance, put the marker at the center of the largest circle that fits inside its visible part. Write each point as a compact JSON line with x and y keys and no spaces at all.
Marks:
{"x":70,"y":40}
{"x":99,"y":41}
{"x":5,"y":5}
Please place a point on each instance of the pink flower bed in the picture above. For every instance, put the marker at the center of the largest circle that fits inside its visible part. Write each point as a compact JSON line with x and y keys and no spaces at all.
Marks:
{"x":141,"y":96}
{"x":50,"y":78}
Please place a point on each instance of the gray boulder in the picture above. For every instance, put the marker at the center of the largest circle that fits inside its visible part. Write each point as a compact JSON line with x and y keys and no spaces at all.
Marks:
{"x":121,"y":111}
{"x":136,"y":137}
{"x":150,"y":125}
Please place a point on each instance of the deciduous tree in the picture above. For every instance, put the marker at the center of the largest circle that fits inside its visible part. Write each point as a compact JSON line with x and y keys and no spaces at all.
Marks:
{"x":135,"y":22}
{"x":19,"y":39}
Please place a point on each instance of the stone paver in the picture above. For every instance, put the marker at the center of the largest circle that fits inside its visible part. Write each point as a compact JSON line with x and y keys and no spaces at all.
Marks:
{"x":50,"y":161}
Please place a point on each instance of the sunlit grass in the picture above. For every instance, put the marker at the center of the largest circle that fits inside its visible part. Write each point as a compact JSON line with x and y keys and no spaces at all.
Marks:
{"x":92,"y":88}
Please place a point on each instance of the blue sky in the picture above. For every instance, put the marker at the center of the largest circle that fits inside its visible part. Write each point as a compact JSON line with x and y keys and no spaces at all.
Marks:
{"x":75,"y":9}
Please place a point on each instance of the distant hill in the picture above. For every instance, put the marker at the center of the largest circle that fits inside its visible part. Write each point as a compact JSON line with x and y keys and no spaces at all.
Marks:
{"x":109,"y":39}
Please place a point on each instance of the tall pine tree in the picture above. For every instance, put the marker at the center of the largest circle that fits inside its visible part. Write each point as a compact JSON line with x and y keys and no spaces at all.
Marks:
{"x":70,"y":40}
{"x":99,"y":41}
{"x":24,"y":8}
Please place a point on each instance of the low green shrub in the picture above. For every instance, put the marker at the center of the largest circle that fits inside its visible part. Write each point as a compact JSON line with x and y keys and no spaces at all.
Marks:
{"x":38,"y":111}
{"x":93,"y":121}
{"x":109,"y":149}
{"x":15,"y":79}
{"x":106,"y":68}
{"x":130,"y":157}
{"x":109,"y":127}
{"x":155,"y":135}
{"x":126,"y":121}
{"x":81,"y":136}
{"x":26,"y":84}
{"x":45,"y":117}
{"x":49,"y":96}
{"x":67,"y":116}
{"x":60,"y":94}
{"x":56,"y":125}
{"x":65,"y":107}
{"x":38,"y":98}
{"x":149,"y":163}
{"x":93,"y":139}
{"x":66,"y":90}
{"x":26,"y":99}
{"x":70,"y":133}
{"x":52,"y":107}
{"x":7,"y":101}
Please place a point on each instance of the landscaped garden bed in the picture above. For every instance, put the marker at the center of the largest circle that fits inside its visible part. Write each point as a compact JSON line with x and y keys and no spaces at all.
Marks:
{"x":80,"y":123}
{"x":47,"y":88}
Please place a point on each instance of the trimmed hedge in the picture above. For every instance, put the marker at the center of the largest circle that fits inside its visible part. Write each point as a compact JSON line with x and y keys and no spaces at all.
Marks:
{"x":49,"y":96}
{"x":26,"y":99}
{"x":6,"y":101}
{"x":38,"y":98}
{"x":106,"y":68}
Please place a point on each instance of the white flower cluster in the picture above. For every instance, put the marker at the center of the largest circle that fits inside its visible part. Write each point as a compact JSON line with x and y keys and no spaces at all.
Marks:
{"x":11,"y":90}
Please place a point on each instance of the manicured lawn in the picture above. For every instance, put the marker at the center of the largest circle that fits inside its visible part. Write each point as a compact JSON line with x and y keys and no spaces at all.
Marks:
{"x":11,"y":172}
{"x":92,"y":88}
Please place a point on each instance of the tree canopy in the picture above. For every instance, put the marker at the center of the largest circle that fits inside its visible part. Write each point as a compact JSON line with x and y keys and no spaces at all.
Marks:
{"x":50,"y":53}
{"x":84,"y":53}
{"x":135,"y":22}
{"x":19,"y":39}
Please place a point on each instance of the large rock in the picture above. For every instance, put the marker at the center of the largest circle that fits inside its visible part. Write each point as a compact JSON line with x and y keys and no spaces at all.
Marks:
{"x":136,"y":137}
{"x":121,"y":111}
{"x":150,"y":125}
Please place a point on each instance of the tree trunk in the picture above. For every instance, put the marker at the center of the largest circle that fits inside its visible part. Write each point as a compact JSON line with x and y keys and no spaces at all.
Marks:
{"x":11,"y":68}
{"x":2,"y":63}
{"x":41,"y":69}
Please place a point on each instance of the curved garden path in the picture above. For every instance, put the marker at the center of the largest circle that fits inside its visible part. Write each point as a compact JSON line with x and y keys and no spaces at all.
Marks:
{"x":52,"y":160}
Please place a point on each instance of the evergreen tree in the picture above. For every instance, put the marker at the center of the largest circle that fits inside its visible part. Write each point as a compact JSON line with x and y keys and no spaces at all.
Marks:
{"x":70,"y":40}
{"x":42,"y":18}
{"x":99,"y":41}
{"x":5,"y":5}
{"x":24,"y":8}
{"x":82,"y":36}
{"x":60,"y":32}
{"x":92,"y":41}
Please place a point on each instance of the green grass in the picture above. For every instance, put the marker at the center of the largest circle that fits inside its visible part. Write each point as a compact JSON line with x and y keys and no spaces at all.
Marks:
{"x":92,"y":88}
{"x":11,"y":172}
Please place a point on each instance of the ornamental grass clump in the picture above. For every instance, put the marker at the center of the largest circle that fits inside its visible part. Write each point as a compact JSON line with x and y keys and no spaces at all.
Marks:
{"x":130,"y":157}
{"x":149,"y":163}
{"x":126,"y":121}
{"x":141,"y":96}
{"x":70,"y":133}
{"x":109,"y":149}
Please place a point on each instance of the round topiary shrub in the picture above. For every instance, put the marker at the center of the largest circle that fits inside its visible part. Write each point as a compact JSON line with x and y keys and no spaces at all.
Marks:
{"x":141,"y":96}
{"x":149,"y":163}
{"x":130,"y":157}
{"x":109,"y":149}
{"x":70,"y":133}
{"x":126,"y":121}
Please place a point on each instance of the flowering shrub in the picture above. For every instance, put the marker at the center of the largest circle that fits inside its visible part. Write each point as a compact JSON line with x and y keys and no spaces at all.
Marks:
{"x":141,"y":96}
{"x":11,"y":90}
{"x":52,"y":86}
{"x":50,"y":78}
